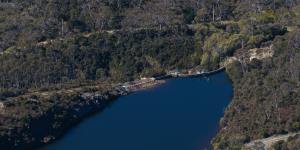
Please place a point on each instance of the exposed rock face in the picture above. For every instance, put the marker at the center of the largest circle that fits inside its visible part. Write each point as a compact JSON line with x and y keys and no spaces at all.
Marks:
{"x":261,"y":53}
{"x":249,"y":55}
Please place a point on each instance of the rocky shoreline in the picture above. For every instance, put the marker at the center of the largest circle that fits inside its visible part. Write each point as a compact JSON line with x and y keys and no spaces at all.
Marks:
{"x":67,"y":108}
{"x":51,"y":125}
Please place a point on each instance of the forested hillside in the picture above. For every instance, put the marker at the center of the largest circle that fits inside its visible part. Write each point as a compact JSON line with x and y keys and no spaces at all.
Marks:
{"x":266,"y":96}
{"x":50,"y":44}
{"x":87,"y":40}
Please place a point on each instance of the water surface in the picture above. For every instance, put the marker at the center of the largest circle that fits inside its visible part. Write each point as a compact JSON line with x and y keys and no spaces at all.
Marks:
{"x":182,"y":114}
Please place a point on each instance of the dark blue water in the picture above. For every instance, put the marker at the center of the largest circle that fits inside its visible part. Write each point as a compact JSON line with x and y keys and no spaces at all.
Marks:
{"x":182,"y":114}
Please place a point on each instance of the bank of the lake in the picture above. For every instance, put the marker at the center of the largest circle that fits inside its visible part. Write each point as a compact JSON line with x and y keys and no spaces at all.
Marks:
{"x":182,"y":114}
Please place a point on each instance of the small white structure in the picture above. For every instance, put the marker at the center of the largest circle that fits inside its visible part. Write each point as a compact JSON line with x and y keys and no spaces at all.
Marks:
{"x":174,"y":73}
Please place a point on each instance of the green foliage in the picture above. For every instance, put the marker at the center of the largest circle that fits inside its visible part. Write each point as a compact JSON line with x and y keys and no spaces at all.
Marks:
{"x":267,"y":16}
{"x":280,"y":146}
{"x":295,"y":126}
{"x":100,"y":73}
{"x":215,"y":57}
{"x":235,"y":71}
{"x":189,"y":15}
{"x":235,"y":142}
{"x":231,"y":43}
{"x":205,"y":59}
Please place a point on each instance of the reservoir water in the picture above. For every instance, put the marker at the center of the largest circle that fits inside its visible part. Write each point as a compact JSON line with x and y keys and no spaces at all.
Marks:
{"x":182,"y":114}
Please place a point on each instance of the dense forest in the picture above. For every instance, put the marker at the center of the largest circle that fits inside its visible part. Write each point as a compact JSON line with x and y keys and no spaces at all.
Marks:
{"x":46,"y":44}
